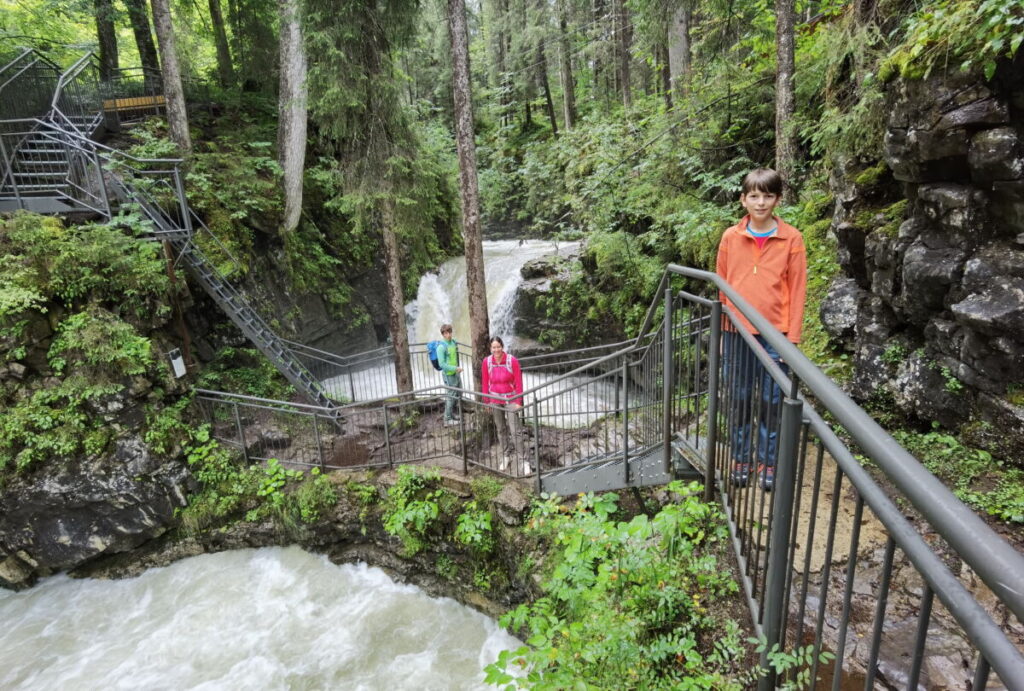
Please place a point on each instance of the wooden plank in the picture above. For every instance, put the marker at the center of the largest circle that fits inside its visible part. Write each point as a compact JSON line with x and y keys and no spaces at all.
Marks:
{"x":133,"y":103}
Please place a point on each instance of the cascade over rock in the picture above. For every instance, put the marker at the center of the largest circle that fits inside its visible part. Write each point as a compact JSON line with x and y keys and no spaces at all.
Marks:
{"x":934,"y":310}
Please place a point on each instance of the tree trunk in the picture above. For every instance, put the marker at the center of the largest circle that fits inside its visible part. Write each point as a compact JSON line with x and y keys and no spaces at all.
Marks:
{"x":139,"y":18}
{"x":545,"y":87}
{"x":665,"y":75}
{"x":177,"y":114}
{"x":785,"y":139}
{"x":565,"y":70}
{"x":225,"y":72}
{"x":291,"y":108}
{"x":107,"y":37}
{"x":679,"y":62}
{"x":625,"y":44}
{"x":479,"y":324}
{"x":396,"y":296}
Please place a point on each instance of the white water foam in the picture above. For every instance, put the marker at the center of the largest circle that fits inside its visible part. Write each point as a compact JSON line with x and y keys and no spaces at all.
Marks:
{"x":248,"y":619}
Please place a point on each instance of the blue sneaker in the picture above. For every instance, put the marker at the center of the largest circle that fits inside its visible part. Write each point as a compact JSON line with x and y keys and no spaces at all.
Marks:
{"x":740,"y":474}
{"x":767,"y":475}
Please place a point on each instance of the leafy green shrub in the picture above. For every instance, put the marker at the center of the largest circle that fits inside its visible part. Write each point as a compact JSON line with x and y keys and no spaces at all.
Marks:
{"x":978,"y":479}
{"x":963,"y":33}
{"x":474,"y":529}
{"x":413,"y":507}
{"x":627,"y":604}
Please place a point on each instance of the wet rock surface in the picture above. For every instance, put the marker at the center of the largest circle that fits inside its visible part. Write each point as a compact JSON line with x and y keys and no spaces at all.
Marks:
{"x":948,"y":285}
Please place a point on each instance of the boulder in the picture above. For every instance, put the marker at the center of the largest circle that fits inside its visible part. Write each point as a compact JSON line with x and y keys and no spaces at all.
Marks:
{"x":840,"y":308}
{"x":930,"y":390}
{"x":67,"y":513}
{"x":928,"y":275}
{"x":996,"y":155}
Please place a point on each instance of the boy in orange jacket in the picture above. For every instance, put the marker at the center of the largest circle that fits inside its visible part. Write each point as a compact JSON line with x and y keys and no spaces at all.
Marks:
{"x":764,"y":259}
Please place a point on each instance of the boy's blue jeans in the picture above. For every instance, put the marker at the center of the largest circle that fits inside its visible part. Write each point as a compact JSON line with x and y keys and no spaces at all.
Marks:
{"x":452,"y":396}
{"x":744,"y":374}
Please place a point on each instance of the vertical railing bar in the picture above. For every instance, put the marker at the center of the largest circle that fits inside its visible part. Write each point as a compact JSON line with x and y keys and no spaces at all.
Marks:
{"x":826,"y":572}
{"x":536,"y":448}
{"x":241,"y":433}
{"x":851,"y":572}
{"x":319,"y":444}
{"x":714,"y":350}
{"x":981,"y":673}
{"x":809,"y":548}
{"x":883,"y":600}
{"x":777,"y":552}
{"x":666,"y":393}
{"x":924,"y":618}
{"x":387,"y":436}
{"x":794,"y":524}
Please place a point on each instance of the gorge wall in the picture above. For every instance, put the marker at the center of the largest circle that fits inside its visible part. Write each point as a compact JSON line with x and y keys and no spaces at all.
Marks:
{"x":932,"y":307}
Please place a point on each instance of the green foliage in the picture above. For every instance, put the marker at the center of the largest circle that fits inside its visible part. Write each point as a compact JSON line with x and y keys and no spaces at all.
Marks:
{"x":244,"y":371}
{"x":413,"y":507}
{"x":627,"y":604}
{"x":43,"y":261}
{"x":99,"y":342}
{"x":485,"y":488}
{"x":978,"y":479}
{"x":474,"y":529}
{"x":230,"y":490}
{"x":968,"y":34}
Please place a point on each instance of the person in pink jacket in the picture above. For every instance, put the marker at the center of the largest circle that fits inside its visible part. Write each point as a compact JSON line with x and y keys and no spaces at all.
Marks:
{"x":502,"y":380}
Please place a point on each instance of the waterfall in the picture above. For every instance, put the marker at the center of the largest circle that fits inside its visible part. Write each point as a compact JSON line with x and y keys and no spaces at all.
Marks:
{"x":442,"y":296}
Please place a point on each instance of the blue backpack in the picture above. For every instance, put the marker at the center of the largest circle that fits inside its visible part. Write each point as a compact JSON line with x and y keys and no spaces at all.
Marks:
{"x":432,"y":353}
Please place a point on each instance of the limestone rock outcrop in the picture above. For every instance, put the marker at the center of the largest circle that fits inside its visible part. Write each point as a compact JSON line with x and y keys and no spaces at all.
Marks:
{"x":934,"y":312}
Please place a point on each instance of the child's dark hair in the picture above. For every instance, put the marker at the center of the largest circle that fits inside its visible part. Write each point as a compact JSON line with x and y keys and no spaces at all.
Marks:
{"x":763,"y":180}
{"x":497,"y":339}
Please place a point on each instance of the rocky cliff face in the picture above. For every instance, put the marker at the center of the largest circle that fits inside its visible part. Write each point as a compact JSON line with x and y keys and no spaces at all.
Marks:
{"x":933,"y":306}
{"x":84,"y":500}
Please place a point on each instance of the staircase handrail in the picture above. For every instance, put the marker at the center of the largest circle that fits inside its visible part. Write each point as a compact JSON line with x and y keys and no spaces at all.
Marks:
{"x":87,"y":143}
{"x":994,"y":560}
{"x":39,"y":57}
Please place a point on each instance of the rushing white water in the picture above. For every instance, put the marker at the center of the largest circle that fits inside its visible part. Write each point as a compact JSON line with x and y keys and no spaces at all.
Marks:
{"x":248,"y":619}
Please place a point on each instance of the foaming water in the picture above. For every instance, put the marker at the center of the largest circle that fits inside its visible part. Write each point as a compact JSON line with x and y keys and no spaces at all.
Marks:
{"x":246,"y":619}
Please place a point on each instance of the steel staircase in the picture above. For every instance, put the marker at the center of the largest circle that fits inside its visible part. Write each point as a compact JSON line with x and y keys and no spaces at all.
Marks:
{"x":54,"y":164}
{"x":234,"y":304}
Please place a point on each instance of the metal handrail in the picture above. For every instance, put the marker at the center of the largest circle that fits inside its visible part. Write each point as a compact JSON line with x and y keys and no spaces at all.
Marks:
{"x":995,"y":561}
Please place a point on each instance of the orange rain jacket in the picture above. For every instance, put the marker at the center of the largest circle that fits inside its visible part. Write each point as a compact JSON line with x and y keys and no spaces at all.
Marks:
{"x":773,"y":279}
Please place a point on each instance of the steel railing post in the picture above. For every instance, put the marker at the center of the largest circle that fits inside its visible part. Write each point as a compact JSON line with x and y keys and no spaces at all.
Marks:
{"x":179,"y":189}
{"x":784,"y":489}
{"x":625,"y":422}
{"x":462,"y":437}
{"x":241,"y":432}
{"x":667,"y":383}
{"x":387,"y":436}
{"x":319,"y":444}
{"x":536,"y":445}
{"x":714,"y":352}
{"x":103,"y":185}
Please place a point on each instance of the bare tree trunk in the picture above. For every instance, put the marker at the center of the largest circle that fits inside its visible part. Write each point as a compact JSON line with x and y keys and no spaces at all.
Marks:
{"x":139,"y":18}
{"x":665,"y":75}
{"x":504,"y":79}
{"x":291,"y":108}
{"x":177,"y":115}
{"x":565,"y":70}
{"x":625,"y":49}
{"x":396,"y":296}
{"x":679,"y":61}
{"x":542,"y":77}
{"x":479,"y":323}
{"x":225,"y":72}
{"x":785,"y":102}
{"x":107,"y":37}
